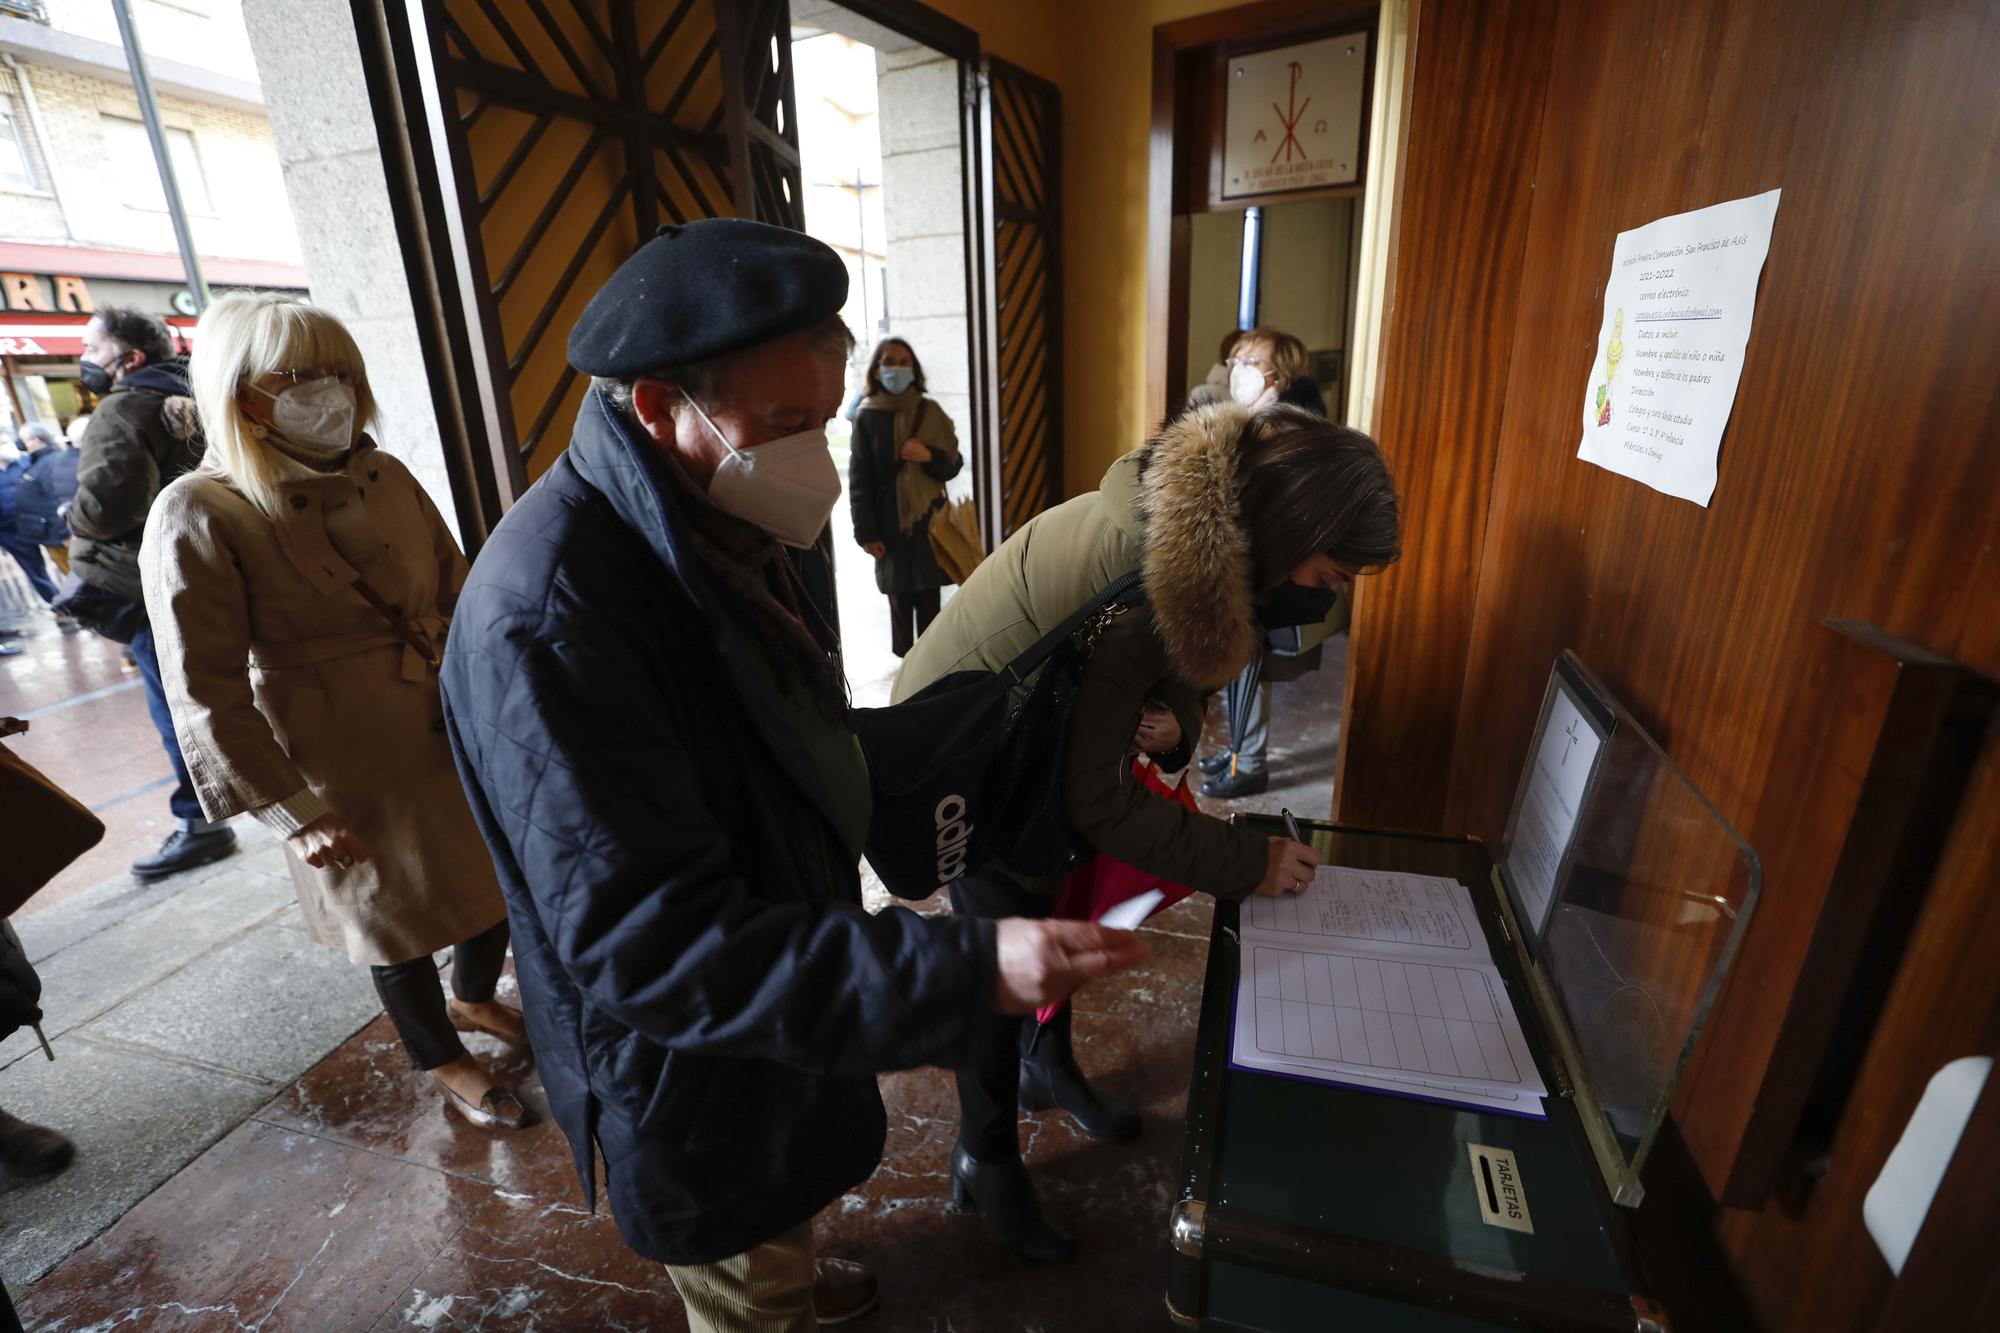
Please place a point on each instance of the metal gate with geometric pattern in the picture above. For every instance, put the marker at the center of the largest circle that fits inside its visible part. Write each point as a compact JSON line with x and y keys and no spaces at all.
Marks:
{"x":531,"y":145}
{"x":561,"y":134}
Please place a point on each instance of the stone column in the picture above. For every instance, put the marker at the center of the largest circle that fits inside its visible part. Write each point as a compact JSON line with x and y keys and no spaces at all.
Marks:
{"x":309,"y":63}
{"x":923,"y":195}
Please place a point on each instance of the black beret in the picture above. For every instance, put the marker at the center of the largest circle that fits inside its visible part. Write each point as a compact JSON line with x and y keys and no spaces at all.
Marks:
{"x":700,"y":289}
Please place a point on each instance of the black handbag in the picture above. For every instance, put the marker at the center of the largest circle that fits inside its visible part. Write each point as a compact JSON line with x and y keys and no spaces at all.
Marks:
{"x":964,"y":775}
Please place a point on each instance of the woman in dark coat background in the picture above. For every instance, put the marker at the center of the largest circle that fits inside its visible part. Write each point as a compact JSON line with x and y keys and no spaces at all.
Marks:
{"x":905,"y":450}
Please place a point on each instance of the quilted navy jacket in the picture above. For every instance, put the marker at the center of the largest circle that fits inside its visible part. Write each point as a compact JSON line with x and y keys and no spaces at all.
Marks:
{"x":48,"y":484}
{"x":708,"y":1002}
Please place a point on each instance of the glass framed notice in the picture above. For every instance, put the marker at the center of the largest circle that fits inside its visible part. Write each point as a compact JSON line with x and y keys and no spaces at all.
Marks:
{"x":1627,"y":892}
{"x":1549,"y":801}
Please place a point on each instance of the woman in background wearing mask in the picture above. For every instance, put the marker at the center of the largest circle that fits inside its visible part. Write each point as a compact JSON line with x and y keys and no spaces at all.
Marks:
{"x":300,"y":583}
{"x":905,"y":450}
{"x":1266,"y":367}
{"x":1262,"y":366}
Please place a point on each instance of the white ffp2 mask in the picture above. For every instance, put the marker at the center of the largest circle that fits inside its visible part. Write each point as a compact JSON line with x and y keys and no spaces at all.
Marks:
{"x":787,"y":487}
{"x":1246,"y":384}
{"x":317,"y":416}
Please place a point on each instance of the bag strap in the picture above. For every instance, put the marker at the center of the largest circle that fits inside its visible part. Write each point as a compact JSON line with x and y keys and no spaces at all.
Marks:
{"x":1045,"y":647}
{"x":405,"y":631}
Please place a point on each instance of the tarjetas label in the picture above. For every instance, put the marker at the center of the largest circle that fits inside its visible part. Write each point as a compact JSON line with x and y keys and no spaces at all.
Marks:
{"x":1496,"y":1179}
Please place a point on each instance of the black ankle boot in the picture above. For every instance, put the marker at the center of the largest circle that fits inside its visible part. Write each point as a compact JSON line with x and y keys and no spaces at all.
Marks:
{"x":1001,"y":1193}
{"x":1227,"y":786}
{"x":185,"y":849}
{"x":1045,"y":1086}
{"x":27,"y":1151}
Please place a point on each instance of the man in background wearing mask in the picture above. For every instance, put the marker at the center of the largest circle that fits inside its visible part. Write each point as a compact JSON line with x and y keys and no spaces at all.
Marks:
{"x":142,"y":435}
{"x":47,"y":485}
{"x":651,"y":723}
{"x":14,"y":467}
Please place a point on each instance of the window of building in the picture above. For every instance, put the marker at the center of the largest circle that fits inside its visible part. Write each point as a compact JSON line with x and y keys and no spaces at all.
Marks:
{"x":16,"y":173}
{"x":131,"y":155}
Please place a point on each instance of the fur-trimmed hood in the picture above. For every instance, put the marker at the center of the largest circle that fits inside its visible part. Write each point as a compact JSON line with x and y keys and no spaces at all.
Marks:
{"x":1197,"y":555}
{"x":1168,"y":509}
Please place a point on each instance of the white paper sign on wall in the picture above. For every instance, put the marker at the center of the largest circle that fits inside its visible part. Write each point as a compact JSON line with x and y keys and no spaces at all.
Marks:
{"x":1677,"y":313}
{"x":1292,"y":120}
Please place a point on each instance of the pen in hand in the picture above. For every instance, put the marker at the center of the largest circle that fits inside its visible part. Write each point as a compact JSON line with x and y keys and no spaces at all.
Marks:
{"x":1293,"y":863}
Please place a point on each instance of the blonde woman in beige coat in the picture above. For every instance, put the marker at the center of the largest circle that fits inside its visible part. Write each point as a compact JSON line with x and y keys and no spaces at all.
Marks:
{"x":300,"y":583}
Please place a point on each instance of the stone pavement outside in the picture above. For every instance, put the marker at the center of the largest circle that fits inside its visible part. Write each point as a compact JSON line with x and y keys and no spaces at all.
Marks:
{"x":175,"y":1010}
{"x":89,"y":731}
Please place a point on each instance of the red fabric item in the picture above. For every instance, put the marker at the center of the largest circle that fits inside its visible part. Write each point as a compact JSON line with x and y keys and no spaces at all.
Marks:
{"x":1104,"y":881}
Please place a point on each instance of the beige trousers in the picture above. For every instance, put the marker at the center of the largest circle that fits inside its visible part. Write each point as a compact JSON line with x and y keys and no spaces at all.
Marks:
{"x":767,"y":1289}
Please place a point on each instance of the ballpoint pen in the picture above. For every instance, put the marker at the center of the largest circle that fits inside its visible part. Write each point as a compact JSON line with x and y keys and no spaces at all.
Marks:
{"x":1292,"y":831}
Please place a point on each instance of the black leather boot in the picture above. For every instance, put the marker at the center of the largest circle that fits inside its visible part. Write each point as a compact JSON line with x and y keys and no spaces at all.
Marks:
{"x":1001,"y":1193}
{"x":1225,"y":786}
{"x":28,"y":1150}
{"x":1045,"y":1086}
{"x":1212,"y":764}
{"x":185,"y":849}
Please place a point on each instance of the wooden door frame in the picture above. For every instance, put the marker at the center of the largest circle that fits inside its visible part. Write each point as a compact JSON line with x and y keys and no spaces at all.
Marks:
{"x":411,"y":74}
{"x":994,"y":518}
{"x":485,"y":476}
{"x":946,"y":35}
{"x":1169,"y":230}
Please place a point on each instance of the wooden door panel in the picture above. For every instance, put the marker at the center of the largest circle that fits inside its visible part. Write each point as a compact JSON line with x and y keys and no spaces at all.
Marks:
{"x":562,"y":134}
{"x":1021,"y":144}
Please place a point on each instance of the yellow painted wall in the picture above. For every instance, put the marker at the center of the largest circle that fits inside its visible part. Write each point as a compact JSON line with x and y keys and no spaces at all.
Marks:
{"x":1100,"y":54}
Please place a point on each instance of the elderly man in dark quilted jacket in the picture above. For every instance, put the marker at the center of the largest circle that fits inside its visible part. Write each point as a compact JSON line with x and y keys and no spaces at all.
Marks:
{"x":650,"y":721}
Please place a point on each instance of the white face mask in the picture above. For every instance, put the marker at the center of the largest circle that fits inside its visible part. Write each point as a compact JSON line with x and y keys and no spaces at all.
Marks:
{"x":317,"y":416}
{"x":787,"y":487}
{"x":1246,"y":384}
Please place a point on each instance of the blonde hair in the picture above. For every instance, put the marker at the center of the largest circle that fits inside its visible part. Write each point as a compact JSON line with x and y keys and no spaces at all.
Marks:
{"x":241,"y":338}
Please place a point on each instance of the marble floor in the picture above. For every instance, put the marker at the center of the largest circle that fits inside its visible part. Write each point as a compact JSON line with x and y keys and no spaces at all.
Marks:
{"x":351,"y":1200}
{"x":354,"y":1201}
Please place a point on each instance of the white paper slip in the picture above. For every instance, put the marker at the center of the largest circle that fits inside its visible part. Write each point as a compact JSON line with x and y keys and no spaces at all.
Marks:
{"x":1415,"y":917}
{"x":1128,"y":914}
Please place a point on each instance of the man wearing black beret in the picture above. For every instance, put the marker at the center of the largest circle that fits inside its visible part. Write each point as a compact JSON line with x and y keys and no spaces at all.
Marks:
{"x":650,"y":720}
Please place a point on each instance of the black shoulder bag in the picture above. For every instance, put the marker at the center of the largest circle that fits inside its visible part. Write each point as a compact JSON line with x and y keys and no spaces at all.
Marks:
{"x":964,"y":776}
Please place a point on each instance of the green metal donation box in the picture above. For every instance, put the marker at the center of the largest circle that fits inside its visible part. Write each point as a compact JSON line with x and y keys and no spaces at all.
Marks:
{"x":1424,"y":1088}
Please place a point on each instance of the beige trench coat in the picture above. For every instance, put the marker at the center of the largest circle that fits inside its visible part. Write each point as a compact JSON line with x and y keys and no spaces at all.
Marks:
{"x":282,"y":677}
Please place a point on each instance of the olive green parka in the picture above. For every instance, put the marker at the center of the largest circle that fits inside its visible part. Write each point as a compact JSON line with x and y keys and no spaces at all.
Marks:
{"x":1170,"y":508}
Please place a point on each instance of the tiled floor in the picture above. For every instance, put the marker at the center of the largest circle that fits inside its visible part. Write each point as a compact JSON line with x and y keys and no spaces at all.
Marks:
{"x":354,"y":1201}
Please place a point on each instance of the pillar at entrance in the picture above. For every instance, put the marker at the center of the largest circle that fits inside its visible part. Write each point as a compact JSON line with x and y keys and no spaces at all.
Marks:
{"x":310,"y":66}
{"x":923,"y":208}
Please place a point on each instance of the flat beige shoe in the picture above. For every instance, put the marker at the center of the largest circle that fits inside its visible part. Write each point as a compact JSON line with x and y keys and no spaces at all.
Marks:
{"x":498,"y":1109}
{"x":465,"y":1022}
